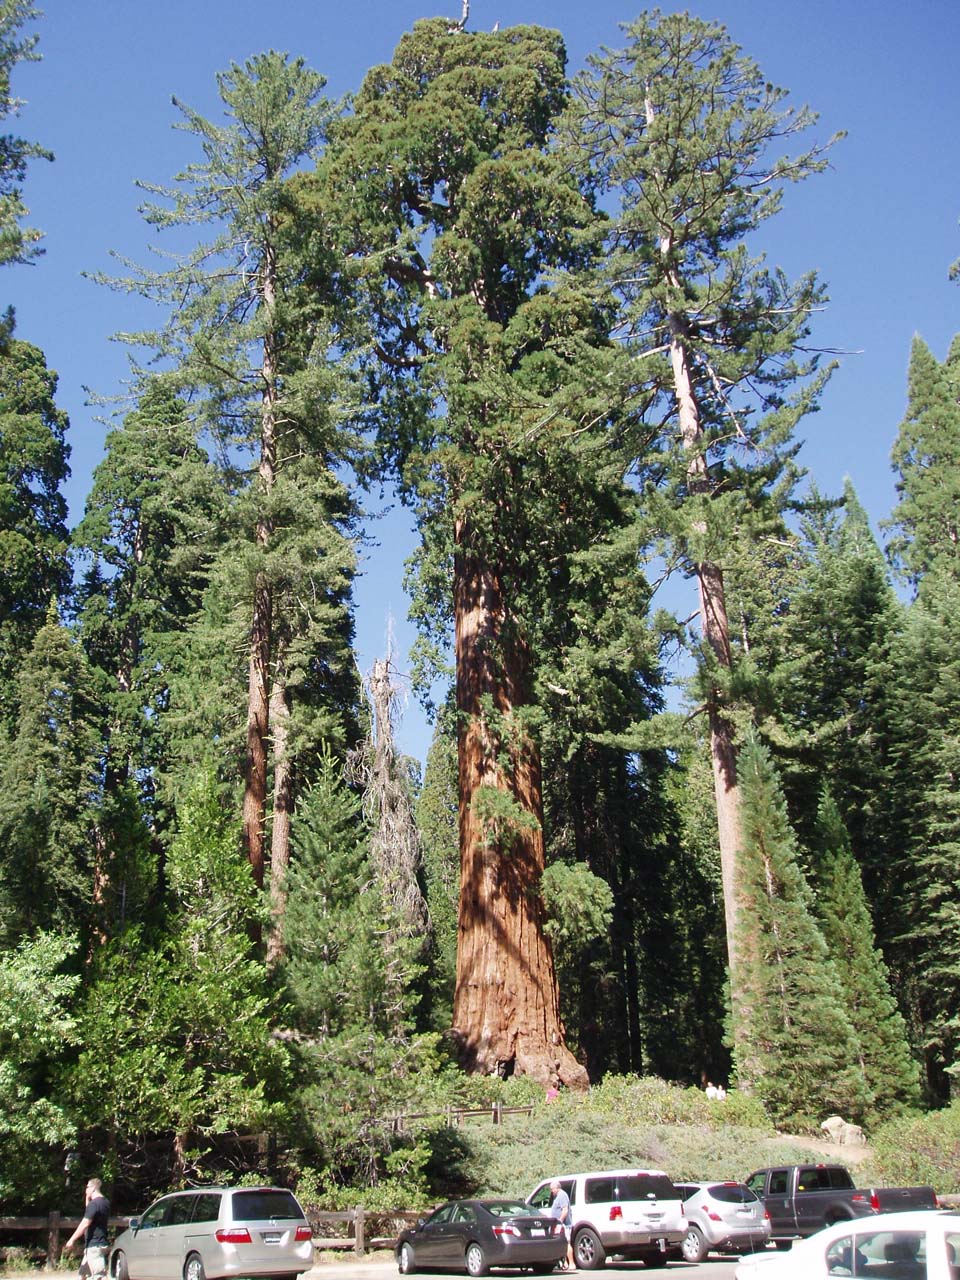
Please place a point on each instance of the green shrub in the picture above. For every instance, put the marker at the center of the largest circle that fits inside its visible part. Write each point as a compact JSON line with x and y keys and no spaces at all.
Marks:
{"x":917,"y":1150}
{"x":648,"y":1100}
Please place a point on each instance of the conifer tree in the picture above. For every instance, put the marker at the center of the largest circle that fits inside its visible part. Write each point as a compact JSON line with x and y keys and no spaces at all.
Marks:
{"x":33,"y":511}
{"x":926,"y":457}
{"x":679,"y":128}
{"x":17,"y":243}
{"x":888,"y":1068}
{"x":796,"y":1048}
{"x":249,"y":339}
{"x":147,"y":538}
{"x":924,"y":678}
{"x":50,"y":790}
{"x":357,"y":1056}
{"x":456,"y":213}
{"x":437,"y":822}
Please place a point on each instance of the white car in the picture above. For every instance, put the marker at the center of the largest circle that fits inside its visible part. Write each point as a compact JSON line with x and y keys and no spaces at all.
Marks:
{"x":923,"y":1244}
{"x":632,"y":1213}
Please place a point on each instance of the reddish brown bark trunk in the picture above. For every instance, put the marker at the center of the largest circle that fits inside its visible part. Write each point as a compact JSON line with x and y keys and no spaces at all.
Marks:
{"x":506,"y":1015}
{"x":258,"y":689}
{"x":282,"y":815}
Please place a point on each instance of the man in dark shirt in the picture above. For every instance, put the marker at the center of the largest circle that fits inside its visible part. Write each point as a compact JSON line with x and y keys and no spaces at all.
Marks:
{"x":93,"y":1226}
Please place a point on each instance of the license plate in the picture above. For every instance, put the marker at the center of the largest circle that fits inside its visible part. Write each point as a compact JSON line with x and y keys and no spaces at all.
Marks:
{"x":272,"y":1237}
{"x":537,"y":1231}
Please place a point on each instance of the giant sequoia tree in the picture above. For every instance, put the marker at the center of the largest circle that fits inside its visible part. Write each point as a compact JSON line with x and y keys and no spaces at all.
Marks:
{"x":456,"y":211}
{"x":680,"y":126}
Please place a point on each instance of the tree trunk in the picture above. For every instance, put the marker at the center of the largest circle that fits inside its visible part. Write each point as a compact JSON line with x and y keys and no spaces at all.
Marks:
{"x":506,"y":1016}
{"x":258,"y":692}
{"x":282,"y":814}
{"x":258,"y":728}
{"x":716,"y":632}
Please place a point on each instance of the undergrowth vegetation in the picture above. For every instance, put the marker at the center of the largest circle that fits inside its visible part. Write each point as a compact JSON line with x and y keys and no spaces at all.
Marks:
{"x":625,"y":1121}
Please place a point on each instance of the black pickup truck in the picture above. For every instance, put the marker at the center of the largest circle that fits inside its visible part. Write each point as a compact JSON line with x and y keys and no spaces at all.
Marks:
{"x":802,"y":1198}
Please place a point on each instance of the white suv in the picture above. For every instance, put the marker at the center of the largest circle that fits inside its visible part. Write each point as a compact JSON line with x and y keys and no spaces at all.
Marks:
{"x":636,"y":1213}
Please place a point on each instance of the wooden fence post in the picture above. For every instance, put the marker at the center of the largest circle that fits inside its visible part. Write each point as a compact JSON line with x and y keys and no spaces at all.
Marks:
{"x":360,"y":1233}
{"x":53,"y":1239}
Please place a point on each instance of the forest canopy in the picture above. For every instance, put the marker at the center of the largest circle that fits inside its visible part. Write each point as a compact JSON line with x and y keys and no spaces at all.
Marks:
{"x":703,"y":831}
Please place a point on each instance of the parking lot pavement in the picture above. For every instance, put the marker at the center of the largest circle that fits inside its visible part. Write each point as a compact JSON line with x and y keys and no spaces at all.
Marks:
{"x":357,"y":1269}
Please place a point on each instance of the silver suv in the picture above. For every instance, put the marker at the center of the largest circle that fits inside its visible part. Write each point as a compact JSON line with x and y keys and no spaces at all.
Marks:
{"x":634,"y":1213}
{"x":725,"y":1216}
{"x":215,"y":1232}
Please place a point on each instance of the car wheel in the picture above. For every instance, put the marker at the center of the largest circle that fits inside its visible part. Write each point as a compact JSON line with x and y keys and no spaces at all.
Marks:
{"x":193,"y":1268}
{"x":694,"y":1247}
{"x":119,"y":1270}
{"x":588,"y":1252}
{"x":406,"y":1263}
{"x":476,"y":1262}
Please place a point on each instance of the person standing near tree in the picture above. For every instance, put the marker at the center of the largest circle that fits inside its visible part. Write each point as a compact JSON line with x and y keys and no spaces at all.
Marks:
{"x":93,"y":1227}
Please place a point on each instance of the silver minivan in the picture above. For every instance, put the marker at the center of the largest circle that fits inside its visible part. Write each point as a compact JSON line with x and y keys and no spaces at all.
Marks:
{"x":215,"y":1232}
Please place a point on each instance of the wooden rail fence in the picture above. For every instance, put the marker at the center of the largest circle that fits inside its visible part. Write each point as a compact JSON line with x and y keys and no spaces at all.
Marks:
{"x":360,"y":1235}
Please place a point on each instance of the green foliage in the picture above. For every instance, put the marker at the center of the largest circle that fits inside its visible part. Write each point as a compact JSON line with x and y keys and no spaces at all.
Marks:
{"x":35,"y":1027}
{"x":50,"y":789}
{"x":17,"y":243}
{"x":187,"y":1020}
{"x":796,"y":1047}
{"x":438,"y":823}
{"x":918,"y":1150}
{"x":350,"y":998}
{"x":33,"y":511}
{"x":650,"y":1101}
{"x":926,"y":457}
{"x":579,"y":904}
{"x":888,"y":1068}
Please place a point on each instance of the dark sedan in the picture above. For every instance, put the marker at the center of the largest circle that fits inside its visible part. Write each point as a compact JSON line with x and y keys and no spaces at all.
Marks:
{"x":476,"y":1235}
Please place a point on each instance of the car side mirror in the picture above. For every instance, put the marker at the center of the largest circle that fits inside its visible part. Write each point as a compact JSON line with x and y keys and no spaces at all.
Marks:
{"x":421,"y":1222}
{"x":134,"y":1224}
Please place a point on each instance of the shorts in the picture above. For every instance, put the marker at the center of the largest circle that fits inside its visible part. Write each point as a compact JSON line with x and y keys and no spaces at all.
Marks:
{"x":94,"y":1261}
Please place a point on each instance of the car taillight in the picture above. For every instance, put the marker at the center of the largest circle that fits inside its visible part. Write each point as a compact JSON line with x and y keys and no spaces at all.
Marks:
{"x":874,"y":1202}
{"x":304,"y":1233}
{"x":233,"y":1235}
{"x":615,"y":1212}
{"x":557,"y":1229}
{"x":508,"y":1229}
{"x":714,"y":1217}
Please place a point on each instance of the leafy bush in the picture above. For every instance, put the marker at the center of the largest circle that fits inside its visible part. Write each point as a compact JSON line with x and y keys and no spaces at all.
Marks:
{"x":917,"y":1150}
{"x":648,"y":1100}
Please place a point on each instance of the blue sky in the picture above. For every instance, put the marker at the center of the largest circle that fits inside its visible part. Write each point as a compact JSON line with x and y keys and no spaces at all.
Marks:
{"x":880,"y":226}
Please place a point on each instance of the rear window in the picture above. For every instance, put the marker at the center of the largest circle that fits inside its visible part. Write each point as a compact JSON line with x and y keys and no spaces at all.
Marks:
{"x":824,"y":1178}
{"x":732,"y":1193}
{"x":633,"y":1186}
{"x":255,"y":1206}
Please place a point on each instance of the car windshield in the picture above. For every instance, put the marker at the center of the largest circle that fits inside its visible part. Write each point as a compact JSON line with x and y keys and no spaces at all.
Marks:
{"x":255,"y":1206}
